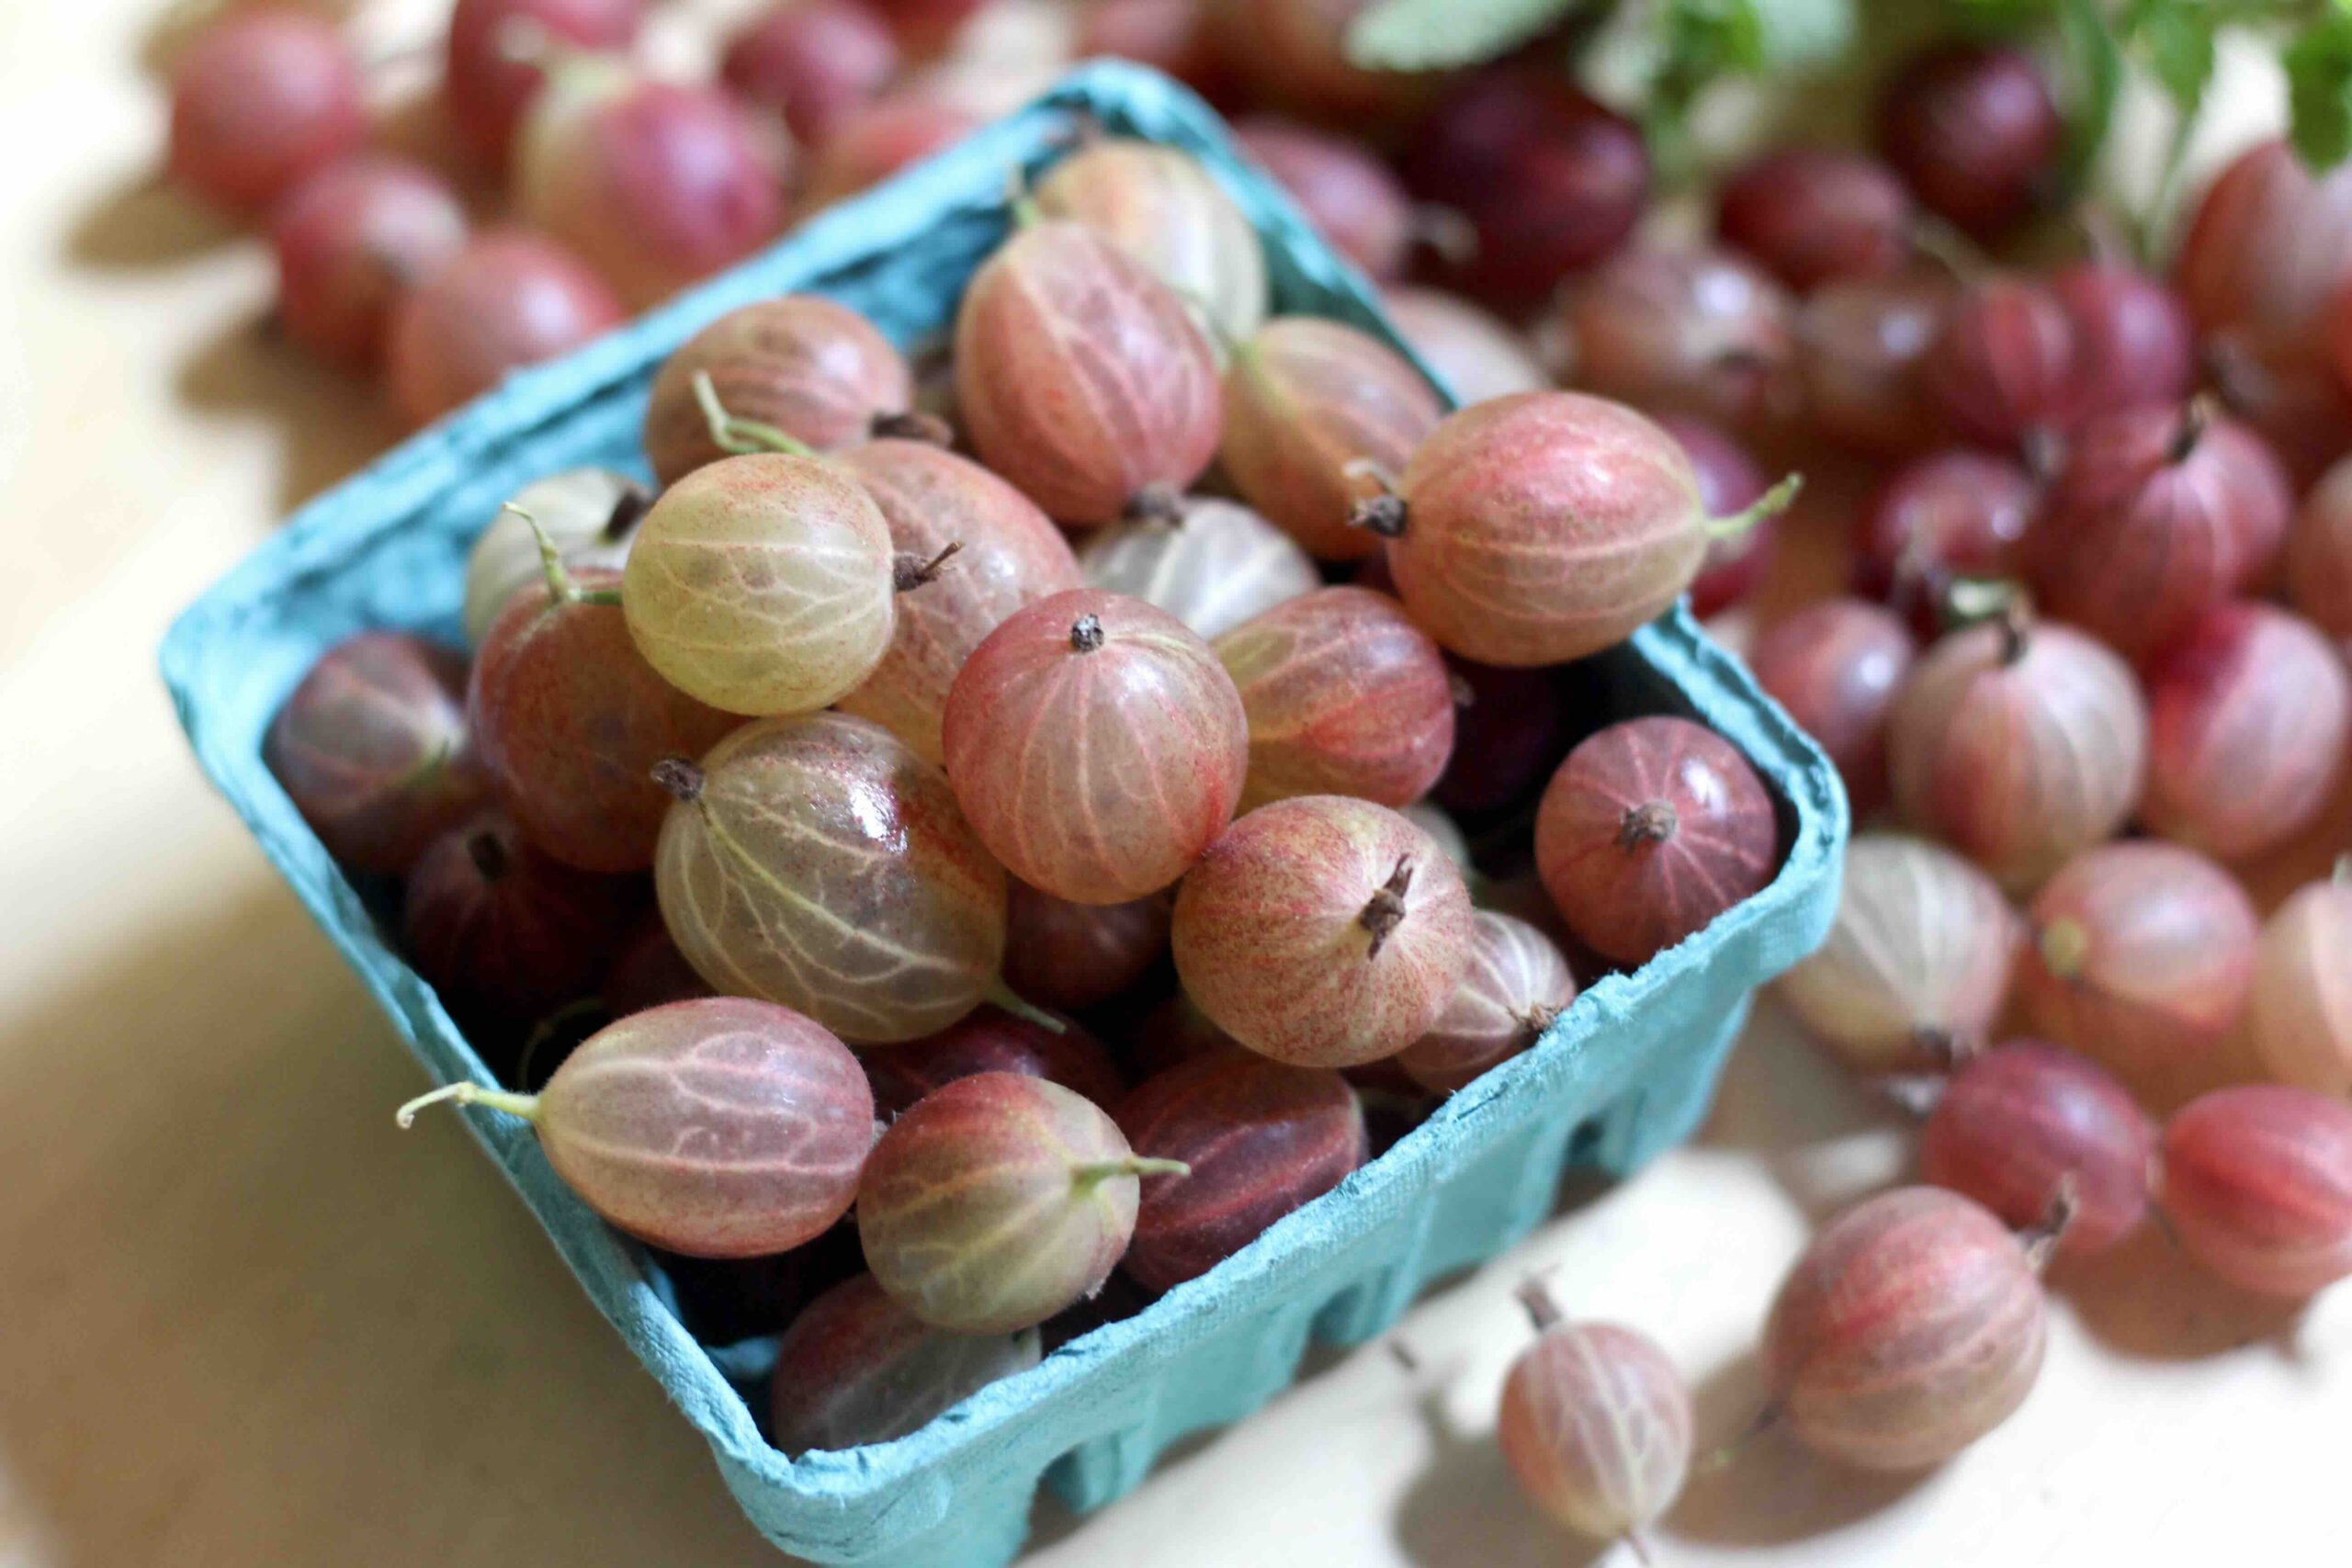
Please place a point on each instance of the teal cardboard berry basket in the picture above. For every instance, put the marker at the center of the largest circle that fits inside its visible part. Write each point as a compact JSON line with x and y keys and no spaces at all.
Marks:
{"x":1622,"y":1075}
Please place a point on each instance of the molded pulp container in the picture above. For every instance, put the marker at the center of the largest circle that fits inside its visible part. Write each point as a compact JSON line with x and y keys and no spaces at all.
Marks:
{"x":1623,"y":1074}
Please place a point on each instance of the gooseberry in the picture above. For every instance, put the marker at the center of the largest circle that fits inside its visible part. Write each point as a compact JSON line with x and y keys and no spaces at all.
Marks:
{"x":1096,"y":745}
{"x":1916,"y":962}
{"x":1354,"y":203}
{"x":1729,"y":483}
{"x":1811,"y":214}
{"x":2265,"y":253}
{"x":1973,"y":131}
{"x":1508,"y":736}
{"x":1214,"y":566}
{"x":1074,"y":956}
{"x":497,"y":51}
{"x":924,"y":27}
{"x":590,"y":513}
{"x":856,"y":1368}
{"x":2002,"y":367}
{"x":2134,"y":339}
{"x":1082,"y":379}
{"x":818,"y":862}
{"x":1651,"y":829}
{"x":510,"y":298}
{"x":1837,"y":666}
{"x":1293,"y":54}
{"x":2303,"y":988}
{"x":1170,"y":35}
{"x":717,"y":1128}
{"x":650,"y":971}
{"x":2258,"y":1184}
{"x":1162,"y":208}
{"x":813,"y":61}
{"x":262,"y":98}
{"x":1860,"y":344}
{"x":1514,"y":986}
{"x":2142,"y":959}
{"x":991,"y":1039}
{"x":1474,"y":355}
{"x":876,"y":139}
{"x":998,"y":1200}
{"x":1953,"y":513}
{"x":350,"y":240}
{"x":372,"y":748}
{"x":2319,"y":555}
{"x":505,"y":933}
{"x":2017,"y":1122}
{"x":1694,"y":331}
{"x":1323,"y":931}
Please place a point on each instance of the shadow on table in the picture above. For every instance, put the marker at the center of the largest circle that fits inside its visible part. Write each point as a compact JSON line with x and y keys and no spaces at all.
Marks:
{"x":249,"y":1321}
{"x":1465,"y":1511}
{"x":329,"y":424}
{"x":142,"y":221}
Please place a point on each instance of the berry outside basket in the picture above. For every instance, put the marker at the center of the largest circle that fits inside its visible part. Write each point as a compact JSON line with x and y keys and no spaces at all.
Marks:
{"x":1625,"y":1073}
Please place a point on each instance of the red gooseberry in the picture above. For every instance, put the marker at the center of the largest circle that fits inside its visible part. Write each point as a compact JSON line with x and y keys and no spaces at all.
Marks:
{"x":1861,"y":345}
{"x":2265,"y":252}
{"x":813,"y":61}
{"x":2134,"y":339}
{"x":1514,"y":986}
{"x":1213,"y":567}
{"x":991,"y":1039}
{"x":2258,"y":1184}
{"x":350,"y":240}
{"x":262,"y":98}
{"x":2016,"y":1122}
{"x":1837,"y":666}
{"x":1074,"y":956}
{"x":1173,"y":36}
{"x":1511,"y":729}
{"x":1474,"y":355}
{"x":1729,"y":483}
{"x":856,"y":1368}
{"x":717,"y":1128}
{"x":1971,"y":128}
{"x":1163,"y":208}
{"x":1346,"y":193}
{"x":2319,"y":555}
{"x":1956,"y":514}
{"x":650,"y":971}
{"x":1293,"y":55}
{"x":876,"y":139}
{"x":2002,"y":367}
{"x":510,"y":298}
{"x":497,"y":51}
{"x":1695,"y":331}
{"x":1811,"y":214}
{"x":2302,"y":987}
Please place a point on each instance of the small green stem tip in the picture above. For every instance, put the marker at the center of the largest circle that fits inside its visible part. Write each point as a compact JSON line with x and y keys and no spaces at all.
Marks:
{"x":561,"y":589}
{"x":1133,"y":1165}
{"x":1771,"y":504}
{"x":742,"y":436}
{"x":1004,"y":996}
{"x":526,"y":1106}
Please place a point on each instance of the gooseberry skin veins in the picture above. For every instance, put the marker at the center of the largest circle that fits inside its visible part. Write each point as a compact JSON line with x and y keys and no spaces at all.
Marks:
{"x":2250,"y":712}
{"x":1544,"y":528}
{"x":371,"y":748}
{"x":569,"y":719}
{"x":260,"y":100}
{"x":349,"y":240}
{"x":856,"y":1368}
{"x":2017,"y":1121}
{"x":1007,"y":555}
{"x":1080,"y":377}
{"x":1096,"y":773}
{"x":812,"y":368}
{"x":1597,"y":1427}
{"x":2302,"y":990}
{"x":2134,"y":339}
{"x":1305,"y":400}
{"x":1837,"y":666}
{"x":1026,"y":1233}
{"x":2266,"y":253}
{"x":1344,"y":696}
{"x":1161,"y":207}
{"x":1514,"y":986}
{"x":991,"y":1039}
{"x":1272,"y":942}
{"x":2258,"y":1184}
{"x":2003,"y":365}
{"x":1218,"y":567}
{"x":2019,"y":748}
{"x":1911,"y":1328}
{"x":825,"y":866}
{"x":511,"y":299}
{"x":718,"y":1128}
{"x":1074,"y":956}
{"x":762,"y":584}
{"x":1263,"y":1139}
{"x":1630,"y":891}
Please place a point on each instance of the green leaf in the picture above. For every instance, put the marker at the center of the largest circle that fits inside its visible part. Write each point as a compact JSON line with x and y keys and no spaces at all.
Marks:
{"x":2178,"y":37}
{"x":2098,"y":62}
{"x":1434,"y":35}
{"x":2319,"y":91}
{"x":1803,"y":32}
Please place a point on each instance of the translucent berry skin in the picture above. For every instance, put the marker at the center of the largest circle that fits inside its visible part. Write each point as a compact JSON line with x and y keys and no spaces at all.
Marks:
{"x":2015,"y":1123}
{"x":1082,"y":378}
{"x":813,"y":61}
{"x":1973,"y":131}
{"x":261,"y":99}
{"x":2258,"y":1184}
{"x":1515,"y":985}
{"x":2250,"y":712}
{"x":1218,"y":567}
{"x":717,"y":1128}
{"x":878,"y":140}
{"x":1920,"y":957}
{"x":1955,"y":513}
{"x":1075,"y":957}
{"x":1274,"y":942}
{"x":1550,"y":180}
{"x":991,"y":1039}
{"x":1811,"y":214}
{"x":648,"y":971}
{"x":816,"y":370}
{"x":1861,"y":346}
{"x":1650,"y":829}
{"x":1507,"y":739}
{"x":762,"y":584}
{"x":2303,"y":990}
{"x":1544,"y":528}
{"x":371,"y":748}
{"x":1694,"y":331}
{"x":1837,"y":666}
{"x":2158,"y":515}
{"x":1477,"y":356}
{"x":2018,"y":748}
{"x":2265,"y":253}
{"x":1357,"y":206}
{"x":657,"y":183}
{"x":1597,"y":1427}
{"x":569,"y":719}
{"x":823,"y":865}
{"x":350,"y":240}
{"x":1263,"y":1139}
{"x":1911,"y":1328}
{"x":1007,"y":554}
{"x":2003,"y":365}
{"x":856,"y":1368}
{"x":487,"y":89}
{"x":1161,"y":207}
{"x":1293,"y":55}
{"x":1305,"y":399}
{"x":1344,"y":695}
{"x":2133,"y":341}
{"x":2319,"y":556}
{"x":591,"y":513}
{"x":2142,"y":959}
{"x":505,"y":933}
{"x":1096,"y":745}
{"x":1029,"y":1229}
{"x":1729,"y":483}
{"x":510,"y":298}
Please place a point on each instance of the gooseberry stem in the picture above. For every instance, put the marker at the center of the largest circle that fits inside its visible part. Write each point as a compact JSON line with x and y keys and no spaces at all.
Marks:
{"x":629,"y":508}
{"x":2064,"y":946}
{"x":742,"y":436}
{"x":526,"y":1106}
{"x":913,"y":424}
{"x":910,"y":572}
{"x":680,"y":777}
{"x":1384,"y":910}
{"x":1771,"y":504}
{"x":1088,"y":1174}
{"x":1156,"y":503}
{"x":1086,"y":634}
{"x":1006,"y":999}
{"x":2343,"y":877}
{"x":1717,"y":1458}
{"x":1652,"y":822}
{"x":562,"y":589}
{"x":2196,"y":418}
{"x":1541,"y":1310}
{"x":2041,"y":1241}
